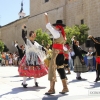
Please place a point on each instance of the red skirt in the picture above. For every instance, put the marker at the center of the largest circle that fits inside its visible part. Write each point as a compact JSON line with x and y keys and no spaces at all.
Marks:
{"x":98,"y":60}
{"x":31,"y":71}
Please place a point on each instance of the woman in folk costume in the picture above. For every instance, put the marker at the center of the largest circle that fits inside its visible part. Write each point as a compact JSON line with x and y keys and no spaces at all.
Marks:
{"x":32,"y":64}
{"x":79,"y":64}
{"x":97,"y":47}
{"x":57,"y":59}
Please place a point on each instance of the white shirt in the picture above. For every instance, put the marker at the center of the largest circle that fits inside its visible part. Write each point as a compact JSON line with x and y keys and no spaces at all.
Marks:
{"x":54,"y":32}
{"x":69,"y":55}
{"x":89,"y":56}
{"x":72,"y":53}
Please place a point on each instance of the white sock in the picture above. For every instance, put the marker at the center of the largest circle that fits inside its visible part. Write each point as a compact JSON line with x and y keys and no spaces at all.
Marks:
{"x":35,"y":79}
{"x":78,"y":74}
{"x":24,"y":80}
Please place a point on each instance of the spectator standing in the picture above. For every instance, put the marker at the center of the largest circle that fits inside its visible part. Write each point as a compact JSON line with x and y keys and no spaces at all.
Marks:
{"x":90,"y":59}
{"x":6,"y":59}
{"x":71,"y":58}
{"x":3,"y":59}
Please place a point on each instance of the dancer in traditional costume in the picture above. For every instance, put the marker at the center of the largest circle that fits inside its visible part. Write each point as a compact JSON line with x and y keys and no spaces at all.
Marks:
{"x":21,"y":51}
{"x":32,"y":64}
{"x":79,"y":64}
{"x":97,"y":47}
{"x":57,"y":59}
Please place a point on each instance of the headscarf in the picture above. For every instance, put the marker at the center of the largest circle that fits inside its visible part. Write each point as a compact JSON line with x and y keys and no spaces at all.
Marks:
{"x":62,"y":30}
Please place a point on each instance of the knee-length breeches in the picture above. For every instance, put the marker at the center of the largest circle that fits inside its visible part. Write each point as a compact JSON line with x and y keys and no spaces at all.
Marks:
{"x":61,"y":72}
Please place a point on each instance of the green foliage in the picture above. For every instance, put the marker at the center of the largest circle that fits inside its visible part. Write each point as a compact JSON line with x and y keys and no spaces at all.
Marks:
{"x":43,"y":36}
{"x":79,"y":31}
{"x":1,"y":46}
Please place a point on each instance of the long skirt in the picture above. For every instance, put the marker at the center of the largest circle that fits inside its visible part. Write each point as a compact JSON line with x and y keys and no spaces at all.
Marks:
{"x":78,"y":67}
{"x":31,"y":71}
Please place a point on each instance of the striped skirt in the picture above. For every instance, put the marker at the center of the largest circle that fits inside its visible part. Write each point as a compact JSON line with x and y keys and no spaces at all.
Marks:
{"x":78,"y":67}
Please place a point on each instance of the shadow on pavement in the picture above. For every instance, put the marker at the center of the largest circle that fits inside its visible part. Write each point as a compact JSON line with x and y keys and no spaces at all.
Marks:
{"x":95,"y":85}
{"x":21,"y":89}
{"x":75,"y":80}
{"x":10,"y":76}
{"x":53,"y":97}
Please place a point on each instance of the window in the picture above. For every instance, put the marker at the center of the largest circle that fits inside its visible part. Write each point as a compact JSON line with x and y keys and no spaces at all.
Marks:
{"x":82,"y":21}
{"x":46,"y":0}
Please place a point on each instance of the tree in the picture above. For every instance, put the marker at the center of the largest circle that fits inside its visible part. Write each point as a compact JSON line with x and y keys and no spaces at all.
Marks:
{"x":43,"y":37}
{"x":1,"y":46}
{"x":79,"y":31}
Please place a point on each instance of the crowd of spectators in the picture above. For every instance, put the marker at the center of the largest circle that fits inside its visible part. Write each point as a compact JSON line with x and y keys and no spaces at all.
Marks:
{"x":9,"y":59}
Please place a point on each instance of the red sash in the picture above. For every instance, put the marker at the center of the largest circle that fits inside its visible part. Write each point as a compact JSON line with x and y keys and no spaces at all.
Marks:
{"x":98,"y":59}
{"x":57,"y":46}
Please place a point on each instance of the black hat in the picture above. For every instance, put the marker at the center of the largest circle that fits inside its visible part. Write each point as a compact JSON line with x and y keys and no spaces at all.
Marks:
{"x":59,"y":22}
{"x":97,"y":38}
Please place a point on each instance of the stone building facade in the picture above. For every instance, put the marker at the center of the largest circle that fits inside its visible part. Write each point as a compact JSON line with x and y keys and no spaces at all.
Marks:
{"x":12,"y":32}
{"x":72,"y":12}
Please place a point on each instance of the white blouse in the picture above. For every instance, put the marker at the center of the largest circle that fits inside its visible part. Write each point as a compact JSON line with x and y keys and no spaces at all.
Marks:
{"x":54,"y":32}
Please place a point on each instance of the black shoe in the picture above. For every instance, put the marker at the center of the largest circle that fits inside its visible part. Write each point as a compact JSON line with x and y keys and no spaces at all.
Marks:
{"x":78,"y":78}
{"x":96,"y":80}
{"x":47,"y":93}
{"x":63,"y":92}
{"x":36,"y":84}
{"x":24,"y":85}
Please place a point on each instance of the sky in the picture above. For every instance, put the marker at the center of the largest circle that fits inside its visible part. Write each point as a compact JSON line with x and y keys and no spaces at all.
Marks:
{"x":9,"y":10}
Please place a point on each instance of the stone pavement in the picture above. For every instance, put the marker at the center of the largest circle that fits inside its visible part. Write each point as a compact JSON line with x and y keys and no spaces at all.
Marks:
{"x":11,"y":89}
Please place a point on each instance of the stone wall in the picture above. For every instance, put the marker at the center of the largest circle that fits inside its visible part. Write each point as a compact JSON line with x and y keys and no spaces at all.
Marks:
{"x":88,"y":10}
{"x":12,"y":32}
{"x":54,"y":8}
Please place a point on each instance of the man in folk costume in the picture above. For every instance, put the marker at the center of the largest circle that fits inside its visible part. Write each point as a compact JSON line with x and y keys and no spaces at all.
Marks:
{"x":57,"y":59}
{"x":97,"y":47}
{"x":21,"y":50}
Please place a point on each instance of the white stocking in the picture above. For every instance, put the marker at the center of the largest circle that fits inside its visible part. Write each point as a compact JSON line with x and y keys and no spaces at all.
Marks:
{"x":35,"y":79}
{"x":24,"y":80}
{"x":78,"y":74}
